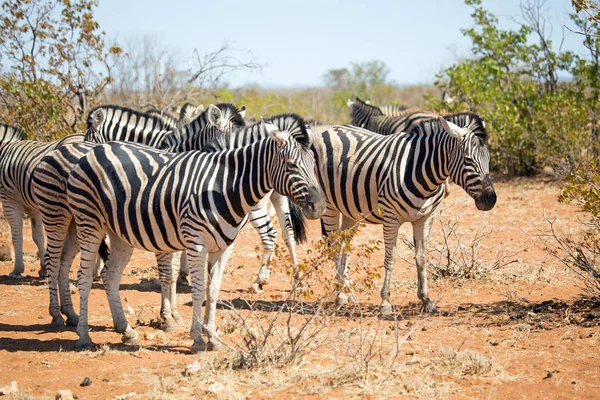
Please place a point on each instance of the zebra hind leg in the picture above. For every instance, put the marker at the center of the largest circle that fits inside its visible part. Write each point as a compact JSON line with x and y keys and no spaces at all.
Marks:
{"x":69,"y":252}
{"x":90,"y":243}
{"x":111,"y":276}
{"x":13,"y":211}
{"x":168,"y":269}
{"x":37,"y":233}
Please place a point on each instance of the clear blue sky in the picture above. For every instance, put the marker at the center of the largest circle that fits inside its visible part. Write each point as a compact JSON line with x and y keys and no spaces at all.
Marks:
{"x":298,"y":41}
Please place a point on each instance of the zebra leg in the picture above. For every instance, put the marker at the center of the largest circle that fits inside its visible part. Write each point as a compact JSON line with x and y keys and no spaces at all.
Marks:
{"x":216,"y":266}
{"x":70,"y":250}
{"x":196,"y":255}
{"x":168,"y":268}
{"x":391,"y":225}
{"x":90,"y":243}
{"x":178,"y":259}
{"x":421,"y":230}
{"x":281,"y":204}
{"x":98,"y":267}
{"x":341,"y":268}
{"x":13,"y":211}
{"x":184,"y":271}
{"x":37,"y":233}
{"x":260,"y":220}
{"x":120,"y":253}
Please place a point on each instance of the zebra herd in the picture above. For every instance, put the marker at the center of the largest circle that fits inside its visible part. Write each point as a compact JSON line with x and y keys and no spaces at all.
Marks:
{"x":183,"y":189}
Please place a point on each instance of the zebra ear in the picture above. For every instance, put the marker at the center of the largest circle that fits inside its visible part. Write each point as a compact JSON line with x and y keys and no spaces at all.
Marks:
{"x":98,"y":118}
{"x":242,"y":111}
{"x":275,"y":134}
{"x":350,"y":103}
{"x":200,"y":108}
{"x":213,"y":115}
{"x":368,"y":101}
{"x":453,"y":130}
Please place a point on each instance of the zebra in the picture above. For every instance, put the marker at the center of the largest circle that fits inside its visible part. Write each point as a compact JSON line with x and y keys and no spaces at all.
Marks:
{"x":49,"y":184}
{"x":392,"y":110}
{"x":290,"y":217}
{"x":362,"y":172}
{"x":194,"y":201}
{"x":18,"y":158}
{"x":372,"y":118}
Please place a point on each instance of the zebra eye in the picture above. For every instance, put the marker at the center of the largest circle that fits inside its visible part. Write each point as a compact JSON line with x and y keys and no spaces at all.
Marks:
{"x":290,"y":164}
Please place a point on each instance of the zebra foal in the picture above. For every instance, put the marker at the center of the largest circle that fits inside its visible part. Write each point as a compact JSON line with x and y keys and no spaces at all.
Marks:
{"x":361,"y":171}
{"x":194,"y":201}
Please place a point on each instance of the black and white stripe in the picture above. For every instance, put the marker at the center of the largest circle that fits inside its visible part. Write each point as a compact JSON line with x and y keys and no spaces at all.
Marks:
{"x":360,"y":171}
{"x":372,"y":118}
{"x":194,"y":201}
{"x":49,"y":191}
{"x":18,"y":158}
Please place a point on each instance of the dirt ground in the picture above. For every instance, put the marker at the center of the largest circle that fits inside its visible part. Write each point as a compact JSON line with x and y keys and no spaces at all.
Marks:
{"x":522,"y":329}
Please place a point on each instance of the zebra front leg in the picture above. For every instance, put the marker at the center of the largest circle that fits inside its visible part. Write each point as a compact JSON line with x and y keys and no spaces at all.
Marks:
{"x":421,"y":229}
{"x":341,"y":267}
{"x":168,"y":268}
{"x":179,"y":258}
{"x":282,"y":206}
{"x":13,"y":212}
{"x":184,"y":271}
{"x":90,"y":242}
{"x":216,"y":267}
{"x":260,"y":220}
{"x":391,"y":225}
{"x":196,"y":255}
{"x":120,"y":253}
{"x":37,"y":233}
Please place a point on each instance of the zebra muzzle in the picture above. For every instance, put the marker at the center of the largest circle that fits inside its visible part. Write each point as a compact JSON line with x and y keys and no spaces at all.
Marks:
{"x":314,"y":206}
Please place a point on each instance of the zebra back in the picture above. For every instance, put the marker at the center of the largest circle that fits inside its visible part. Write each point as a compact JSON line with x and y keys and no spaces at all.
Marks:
{"x":9,"y":133}
{"x":370,"y":117}
{"x":114,"y":123}
{"x":167,"y":119}
{"x":395,"y":110}
{"x":215,"y":120}
{"x":291,"y":123}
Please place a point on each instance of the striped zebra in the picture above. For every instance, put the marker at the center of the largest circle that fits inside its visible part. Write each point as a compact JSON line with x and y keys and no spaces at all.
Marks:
{"x":372,"y":118}
{"x":163,"y":202}
{"x":392,"y":110}
{"x":49,"y":184}
{"x":290,"y":217}
{"x":360,"y":171}
{"x":18,"y":158}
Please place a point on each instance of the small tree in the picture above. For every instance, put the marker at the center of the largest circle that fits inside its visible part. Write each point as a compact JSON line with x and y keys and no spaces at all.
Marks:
{"x":53,"y":64}
{"x":361,"y":79}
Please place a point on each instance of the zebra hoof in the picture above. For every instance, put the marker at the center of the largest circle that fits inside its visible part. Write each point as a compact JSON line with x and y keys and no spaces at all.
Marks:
{"x":255,"y":288}
{"x":15,"y":275}
{"x":385,"y":309}
{"x":72,"y":321}
{"x":169,"y":325}
{"x":43,"y":273}
{"x":199,"y":347}
{"x":214,"y":345}
{"x":83,"y":345}
{"x":429,"y":307}
{"x":57,"y":323}
{"x":130,"y":336}
{"x":182,"y":281}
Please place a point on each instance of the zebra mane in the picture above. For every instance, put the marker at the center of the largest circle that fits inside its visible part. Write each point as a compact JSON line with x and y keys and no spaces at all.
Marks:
{"x":9,"y":133}
{"x":292,"y":123}
{"x":361,"y":105}
{"x":469,"y":120}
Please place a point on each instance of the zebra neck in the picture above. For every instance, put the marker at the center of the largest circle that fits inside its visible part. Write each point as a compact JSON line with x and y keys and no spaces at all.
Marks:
{"x":430,"y":161}
{"x":192,"y":136}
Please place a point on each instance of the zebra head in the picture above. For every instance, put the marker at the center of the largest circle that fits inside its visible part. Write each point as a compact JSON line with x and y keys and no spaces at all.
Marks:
{"x":361,"y":112}
{"x":293,"y":171}
{"x":226,"y":117}
{"x":469,"y":161}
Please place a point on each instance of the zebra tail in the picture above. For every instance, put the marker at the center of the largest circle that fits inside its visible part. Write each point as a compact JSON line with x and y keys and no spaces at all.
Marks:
{"x":298,"y":223}
{"x":103,"y":251}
